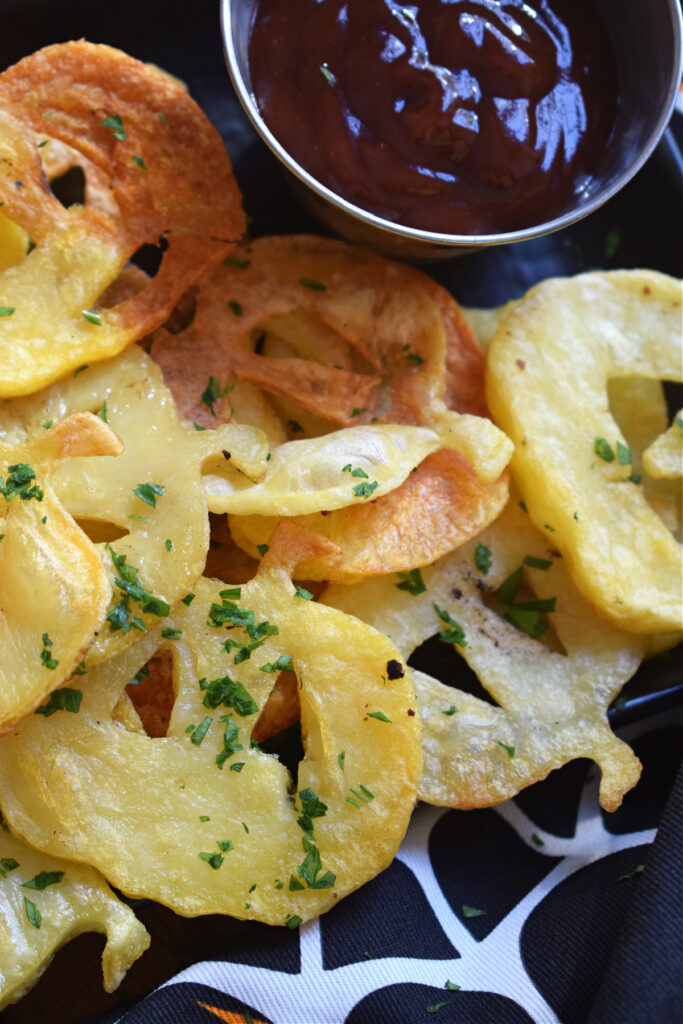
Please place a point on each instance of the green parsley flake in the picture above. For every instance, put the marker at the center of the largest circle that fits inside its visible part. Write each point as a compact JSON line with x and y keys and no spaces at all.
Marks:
{"x":163,"y":120}
{"x":603,"y":449}
{"x":224,"y":844}
{"x":230,"y":744}
{"x":279,"y":884}
{"x":468,"y":911}
{"x":639,"y":868}
{"x":204,"y":817}
{"x":148,"y":493}
{"x":80,"y":669}
{"x":214,"y":860}
{"x":92,"y":318}
{"x":43,"y":879}
{"x":187,"y":600}
{"x":454,"y":635}
{"x":304,"y":594}
{"x":115,"y":126}
{"x":103,"y":413}
{"x":7,"y":310}
{"x":19,"y":484}
{"x":237,"y":766}
{"x":245,"y":827}
{"x":358,"y":412}
{"x":537,"y":563}
{"x":624,"y":454}
{"x":482,"y":558}
{"x":451,"y":986}
{"x":412,"y":582}
{"x":45,"y":656}
{"x":509,"y":588}
{"x":435,"y":1007}
{"x":8,"y":864}
{"x":523,"y":507}
{"x":414,"y":358}
{"x":32,"y":913}
{"x":292,"y":920}
{"x":635,"y":478}
{"x":282,"y":664}
{"x":262,"y":549}
{"x":210,"y":395}
{"x":509,"y":750}
{"x":379,"y":715}
{"x":294,"y":427}
{"x":341,"y":759}
{"x":171,"y":634}
{"x":80,"y":369}
{"x":139,"y":162}
{"x":168,"y":544}
{"x":235,"y":306}
{"x":365,"y":489}
{"x":234,"y":261}
{"x":452,"y":710}
{"x":536,"y":840}
{"x":229,"y":693}
{"x":65,"y":699}
{"x":201,"y":730}
{"x":310,"y":282}
{"x":329,"y":77}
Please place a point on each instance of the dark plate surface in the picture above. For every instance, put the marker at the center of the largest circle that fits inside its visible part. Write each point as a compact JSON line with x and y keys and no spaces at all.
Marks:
{"x":639,"y":227}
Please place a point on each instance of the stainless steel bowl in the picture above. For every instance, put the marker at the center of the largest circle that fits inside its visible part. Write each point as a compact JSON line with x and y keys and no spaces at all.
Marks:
{"x":647,"y":40}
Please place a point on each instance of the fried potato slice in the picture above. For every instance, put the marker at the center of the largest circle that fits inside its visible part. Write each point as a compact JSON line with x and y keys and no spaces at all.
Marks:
{"x":168,"y":175}
{"x":151,"y":498}
{"x":663,"y":459}
{"x":54,"y":590}
{"x":552,"y":705}
{"x":336,"y":470}
{"x":45,"y":902}
{"x":440,"y":506}
{"x":214,"y":828}
{"x":14,"y":242}
{"x":385,"y":312}
{"x":548,"y":369}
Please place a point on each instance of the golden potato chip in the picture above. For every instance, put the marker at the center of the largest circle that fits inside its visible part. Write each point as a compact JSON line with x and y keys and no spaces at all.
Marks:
{"x":214,"y":828}
{"x":551,"y":705}
{"x":45,"y":903}
{"x":168,"y":174}
{"x":547,"y":375}
{"x":663,"y":459}
{"x":54,"y":589}
{"x":440,"y":506}
{"x":384,"y":311}
{"x":339,"y":469}
{"x":149,"y":503}
{"x":13,"y":242}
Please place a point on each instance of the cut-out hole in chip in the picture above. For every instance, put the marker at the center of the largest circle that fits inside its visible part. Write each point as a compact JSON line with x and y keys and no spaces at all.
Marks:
{"x":69,"y":188}
{"x":443,"y":662}
{"x":152,"y":693}
{"x":101,"y":531}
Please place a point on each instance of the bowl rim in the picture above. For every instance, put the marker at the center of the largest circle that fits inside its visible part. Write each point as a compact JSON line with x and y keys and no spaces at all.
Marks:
{"x":436,"y":238}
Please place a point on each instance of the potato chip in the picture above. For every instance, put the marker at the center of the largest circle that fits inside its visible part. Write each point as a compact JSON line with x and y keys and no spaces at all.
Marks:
{"x":384,"y":311}
{"x":54,"y":589}
{"x":548,"y":369}
{"x":663,"y":459}
{"x":149,"y":502}
{"x":45,"y":903}
{"x":169,"y":175}
{"x":214,"y":828}
{"x":440,"y":506}
{"x":552,"y":705}
{"x":339,"y":469}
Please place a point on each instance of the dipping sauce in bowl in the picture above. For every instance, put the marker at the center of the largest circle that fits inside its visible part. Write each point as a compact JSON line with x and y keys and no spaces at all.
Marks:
{"x":453,"y":116}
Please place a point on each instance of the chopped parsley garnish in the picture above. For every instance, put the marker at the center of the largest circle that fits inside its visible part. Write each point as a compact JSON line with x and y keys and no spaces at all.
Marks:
{"x":3,"y":824}
{"x":139,"y":162}
{"x":214,"y":860}
{"x":468,"y":911}
{"x":522,"y":505}
{"x":294,"y":427}
{"x":224,"y":844}
{"x":341,"y":759}
{"x":295,"y":884}
{"x":635,"y":478}
{"x":624,"y":454}
{"x":119,"y":615}
{"x":7,"y":310}
{"x":168,"y":544}
{"x":509,"y":750}
{"x":245,"y":827}
{"x":536,"y":840}
{"x":92,"y":318}
{"x":80,"y":669}
{"x":148,"y":493}
{"x":639,"y":868}
{"x":43,"y":879}
{"x":537,"y":563}
{"x":65,"y":699}
{"x":80,"y":369}
{"x":603,"y":449}
{"x":45,"y":656}
{"x":204,"y":817}
{"x":678,"y":420}
{"x":310,"y":282}
{"x":282,"y":664}
{"x":115,"y":126}
{"x":292,"y":920}
{"x":230,"y":744}
{"x":47,"y":424}
{"x":311,"y":807}
{"x":8,"y":864}
{"x":228,"y":613}
{"x":235,"y":306}
{"x":482,"y":558}
{"x":136,"y":518}
{"x":304,"y":594}
{"x":32,"y":913}
{"x":412,"y":582}
{"x":329,"y":77}
{"x":103,"y":413}
{"x":358,"y":412}
{"x":451,"y":986}
{"x":234,"y":261}
{"x":19,"y":479}
{"x":279,"y":884}
{"x":163,"y":120}
{"x":211,"y":393}
{"x":262,"y":549}
{"x":187,"y":600}
{"x":171,"y":634}
{"x":454,"y":635}
{"x":509,"y":588}
{"x":230,"y":694}
{"x":379,"y":715}
{"x":435,"y":1007}
{"x":452,"y":710}
{"x":200,"y":732}
{"x":365,"y":489}
{"x":237,"y":766}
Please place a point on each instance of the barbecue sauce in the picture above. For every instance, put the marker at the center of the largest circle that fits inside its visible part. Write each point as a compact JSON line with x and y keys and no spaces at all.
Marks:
{"x":456,"y":116}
